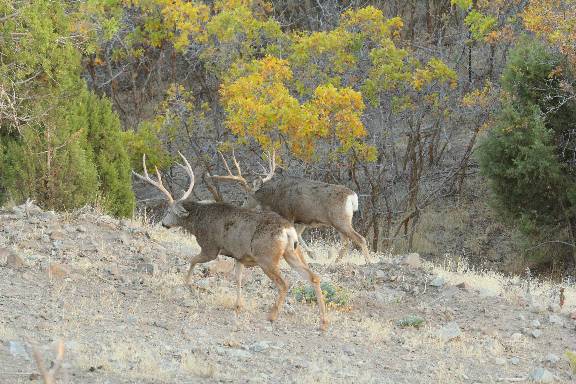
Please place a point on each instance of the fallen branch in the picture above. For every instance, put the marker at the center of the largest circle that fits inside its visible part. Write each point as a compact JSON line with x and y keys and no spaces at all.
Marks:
{"x":48,"y":375}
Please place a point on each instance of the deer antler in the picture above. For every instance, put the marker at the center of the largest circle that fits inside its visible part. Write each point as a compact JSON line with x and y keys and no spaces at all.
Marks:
{"x":158,"y":184}
{"x":231,"y":177}
{"x":48,"y":374}
{"x":271,"y":166}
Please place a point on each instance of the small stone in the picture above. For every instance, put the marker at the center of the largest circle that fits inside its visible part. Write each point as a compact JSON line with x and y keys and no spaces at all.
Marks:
{"x":57,"y":235}
{"x":12,"y":259}
{"x":535,"y":323}
{"x":81,"y":229}
{"x":48,"y":215}
{"x":463,"y":285}
{"x":500,"y":361}
{"x":521,"y":317}
{"x":412,"y":260}
{"x":555,"y":308}
{"x":348,"y":350}
{"x":514,"y":361}
{"x":147,"y":268}
{"x":517,"y":336}
{"x":541,"y":375}
{"x":573,"y":315}
{"x":537,"y":308}
{"x":114,"y":270}
{"x":555,"y":319}
{"x":124,"y":238}
{"x":260,"y":346}
{"x":450,"y":331}
{"x":536,"y":333}
{"x":486,"y":292}
{"x":17,"y":349}
{"x":238,"y":353}
{"x":438,"y":282}
{"x":380,"y":276}
{"x":59,"y":271}
{"x":551,"y":358}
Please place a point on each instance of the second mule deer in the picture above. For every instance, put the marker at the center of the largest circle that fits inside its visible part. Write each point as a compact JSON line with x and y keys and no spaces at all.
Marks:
{"x":306,"y":203}
{"x":250,"y":237}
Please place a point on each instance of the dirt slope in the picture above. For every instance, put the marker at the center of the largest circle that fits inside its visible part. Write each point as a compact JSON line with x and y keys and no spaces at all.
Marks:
{"x":115,"y":294}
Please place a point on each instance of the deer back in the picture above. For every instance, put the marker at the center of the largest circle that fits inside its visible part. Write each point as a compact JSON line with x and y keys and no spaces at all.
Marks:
{"x":237,"y":232}
{"x":307,"y":201}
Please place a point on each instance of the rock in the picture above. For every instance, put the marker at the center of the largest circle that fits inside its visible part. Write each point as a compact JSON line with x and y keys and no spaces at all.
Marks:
{"x":551,"y":359}
{"x":555,"y":308}
{"x":500,"y":361}
{"x":410,"y":321}
{"x":521,"y":317}
{"x":81,"y":229}
{"x":124,"y":238}
{"x":537,"y":308}
{"x":48,"y":215}
{"x":238,"y":353}
{"x":438,"y":282}
{"x":59,"y":271}
{"x":514,"y":361}
{"x":57,"y":235}
{"x":487,"y":292}
{"x":450,"y":331}
{"x":464,"y":285}
{"x":348,"y":350}
{"x":114,"y":270}
{"x":147,"y":268}
{"x":260,"y":346}
{"x":535,"y":323}
{"x":573,"y":315}
{"x":412,"y":260}
{"x":11,"y":259}
{"x":517,"y":336}
{"x":380,"y":276}
{"x":541,"y":375}
{"x":555,"y":319}
{"x":17,"y":349}
{"x":536,"y":333}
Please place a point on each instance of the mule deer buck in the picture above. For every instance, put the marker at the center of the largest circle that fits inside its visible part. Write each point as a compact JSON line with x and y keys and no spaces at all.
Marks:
{"x":250,"y":237}
{"x":306,"y":203}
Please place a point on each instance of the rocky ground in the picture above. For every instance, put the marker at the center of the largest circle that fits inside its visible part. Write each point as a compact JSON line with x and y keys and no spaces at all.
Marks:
{"x":113,"y":291}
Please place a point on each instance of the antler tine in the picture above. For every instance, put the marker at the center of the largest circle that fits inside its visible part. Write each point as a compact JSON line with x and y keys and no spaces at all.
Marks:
{"x":232,"y":177}
{"x":272,"y":164}
{"x":158,"y":184}
{"x":188,"y":169}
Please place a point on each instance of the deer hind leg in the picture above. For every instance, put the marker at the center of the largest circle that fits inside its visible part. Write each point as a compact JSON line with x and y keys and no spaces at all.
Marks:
{"x":345,"y":247}
{"x":297,"y":262}
{"x":238,"y":268}
{"x":274,"y":274}
{"x":358,"y":239}
{"x":202,"y":257}
{"x":300,"y":228}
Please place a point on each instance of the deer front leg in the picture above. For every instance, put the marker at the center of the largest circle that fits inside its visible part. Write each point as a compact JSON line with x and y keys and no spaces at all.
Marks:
{"x":274,"y":274}
{"x":202,"y":257}
{"x":297,"y":262}
{"x":238,"y":268}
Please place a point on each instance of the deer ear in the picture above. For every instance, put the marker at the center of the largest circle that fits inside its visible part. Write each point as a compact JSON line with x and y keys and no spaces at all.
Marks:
{"x":179,"y":210}
{"x":257,"y":183}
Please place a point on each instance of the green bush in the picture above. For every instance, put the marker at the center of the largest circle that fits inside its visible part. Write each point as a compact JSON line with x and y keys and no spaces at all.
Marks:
{"x":523,"y":154}
{"x":62,"y":145}
{"x":333,"y":295}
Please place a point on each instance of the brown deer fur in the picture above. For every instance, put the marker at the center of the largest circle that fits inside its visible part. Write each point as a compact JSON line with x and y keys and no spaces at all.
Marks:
{"x":306,"y":203}
{"x":250,"y":237}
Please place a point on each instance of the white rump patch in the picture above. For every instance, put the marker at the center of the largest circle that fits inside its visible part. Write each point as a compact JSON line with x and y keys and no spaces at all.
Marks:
{"x":291,"y":236}
{"x":351,"y":204}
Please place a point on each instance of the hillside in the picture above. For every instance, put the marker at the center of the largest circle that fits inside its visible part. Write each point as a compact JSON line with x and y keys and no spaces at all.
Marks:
{"x":113,"y":291}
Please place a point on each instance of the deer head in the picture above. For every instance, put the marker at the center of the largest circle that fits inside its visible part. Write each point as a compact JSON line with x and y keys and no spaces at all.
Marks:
{"x":175,"y":211}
